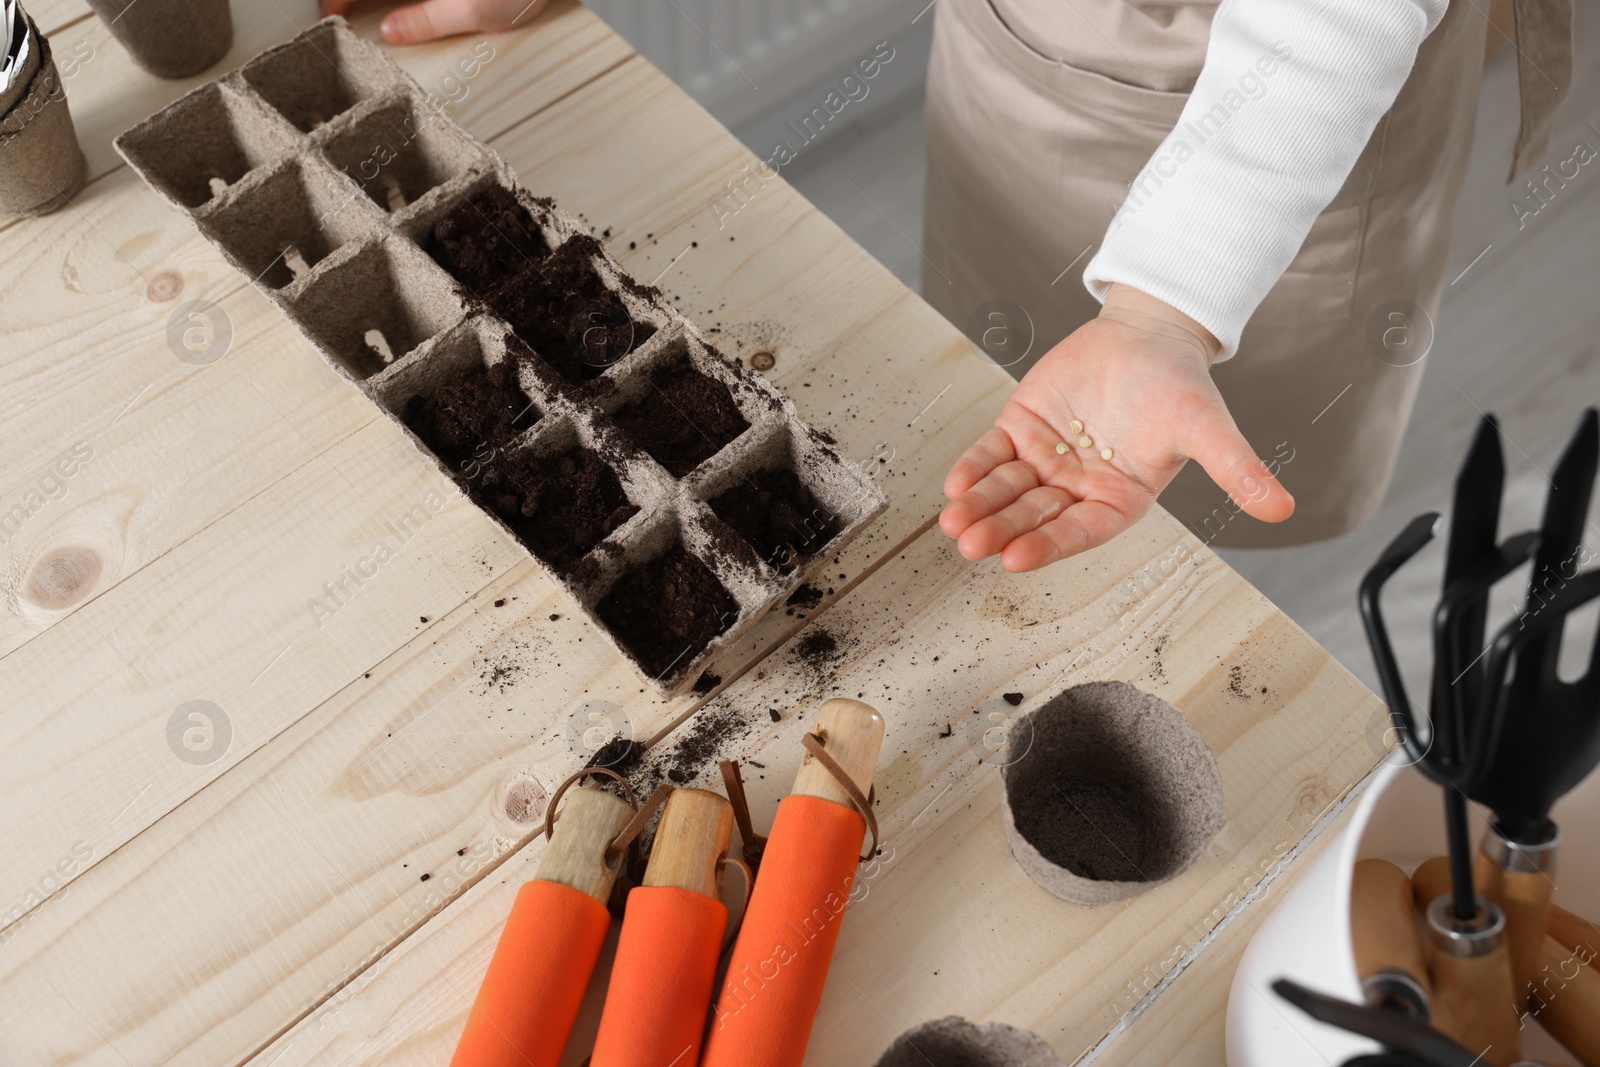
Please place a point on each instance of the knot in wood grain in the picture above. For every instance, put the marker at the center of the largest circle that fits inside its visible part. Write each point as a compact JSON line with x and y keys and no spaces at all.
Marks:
{"x":525,"y":801}
{"x":63,"y":578}
{"x":164,"y":286}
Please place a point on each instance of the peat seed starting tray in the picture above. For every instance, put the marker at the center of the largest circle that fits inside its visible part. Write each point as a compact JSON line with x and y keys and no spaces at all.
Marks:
{"x":674,"y":494}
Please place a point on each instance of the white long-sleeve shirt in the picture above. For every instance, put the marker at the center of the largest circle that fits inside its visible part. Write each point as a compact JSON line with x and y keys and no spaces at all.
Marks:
{"x":1288,"y":96}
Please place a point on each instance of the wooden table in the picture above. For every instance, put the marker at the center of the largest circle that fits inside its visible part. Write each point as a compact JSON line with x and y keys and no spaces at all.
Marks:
{"x":321,"y":877}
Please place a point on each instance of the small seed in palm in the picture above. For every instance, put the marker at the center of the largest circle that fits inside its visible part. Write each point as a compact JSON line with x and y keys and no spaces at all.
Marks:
{"x":1061,"y":448}
{"x":1077,"y":427}
{"x":1085,"y":441}
{"x":1105,"y":453}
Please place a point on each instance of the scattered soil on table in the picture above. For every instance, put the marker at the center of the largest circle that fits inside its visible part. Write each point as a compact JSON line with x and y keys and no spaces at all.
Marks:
{"x":806,"y":597}
{"x":706,"y":741}
{"x":707,"y":682}
{"x":620,"y":754}
{"x":482,"y":406}
{"x":487,"y":240}
{"x":776,"y":513}
{"x":668,"y":610}
{"x":817,"y":648}
{"x":559,"y":506}
{"x":684,"y":420}
{"x":561,"y":307}
{"x":1012,"y":698}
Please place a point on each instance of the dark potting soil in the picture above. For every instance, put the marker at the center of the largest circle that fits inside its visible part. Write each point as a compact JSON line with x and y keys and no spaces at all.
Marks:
{"x":806,"y":596}
{"x":776,"y":513}
{"x":684,"y":420}
{"x":559,"y":506}
{"x":561,"y":307}
{"x":487,"y":240}
{"x":817,"y":648}
{"x":620,"y":754}
{"x":481,"y":406}
{"x":668,"y":610}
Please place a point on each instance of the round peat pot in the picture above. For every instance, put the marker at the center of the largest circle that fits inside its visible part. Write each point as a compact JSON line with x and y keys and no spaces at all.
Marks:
{"x":170,"y":38}
{"x":954,"y":1042}
{"x":1108,"y":791}
{"x":41,"y":165}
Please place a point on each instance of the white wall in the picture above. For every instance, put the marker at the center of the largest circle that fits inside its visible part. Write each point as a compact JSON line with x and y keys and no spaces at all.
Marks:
{"x":744,"y":58}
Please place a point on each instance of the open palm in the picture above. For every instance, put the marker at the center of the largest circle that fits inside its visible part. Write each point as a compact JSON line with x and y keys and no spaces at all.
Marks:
{"x":1136,"y":385}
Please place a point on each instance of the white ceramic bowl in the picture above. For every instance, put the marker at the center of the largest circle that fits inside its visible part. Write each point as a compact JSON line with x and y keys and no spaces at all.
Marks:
{"x":1400,"y":817}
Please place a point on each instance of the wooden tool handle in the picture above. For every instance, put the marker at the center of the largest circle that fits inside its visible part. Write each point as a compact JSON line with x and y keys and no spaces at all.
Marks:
{"x":588,"y":822}
{"x":1576,"y":933}
{"x":693,"y":836}
{"x":852,"y":733}
{"x":1520,"y":880}
{"x":1389,"y":952}
{"x":1566,"y":999}
{"x":1470,"y":977}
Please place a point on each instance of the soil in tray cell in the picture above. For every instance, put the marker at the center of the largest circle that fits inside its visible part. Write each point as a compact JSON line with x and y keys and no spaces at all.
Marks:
{"x":561,"y":307}
{"x":559,"y":506}
{"x":474,"y":413}
{"x":668,"y":610}
{"x":487,"y":240}
{"x":776,"y":513}
{"x":683,"y":420}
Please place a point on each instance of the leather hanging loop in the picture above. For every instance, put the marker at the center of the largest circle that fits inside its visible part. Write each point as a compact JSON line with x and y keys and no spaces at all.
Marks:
{"x":753,"y":843}
{"x":550,"y":811}
{"x":863,"y":804}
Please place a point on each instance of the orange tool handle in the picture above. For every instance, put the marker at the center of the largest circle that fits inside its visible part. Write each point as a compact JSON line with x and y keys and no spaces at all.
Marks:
{"x":662,"y":980}
{"x":536,"y":980}
{"x":780,"y":961}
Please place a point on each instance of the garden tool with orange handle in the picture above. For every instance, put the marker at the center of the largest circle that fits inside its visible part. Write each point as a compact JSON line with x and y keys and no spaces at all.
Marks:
{"x":780,"y":961}
{"x":666,"y":965}
{"x":547,"y":951}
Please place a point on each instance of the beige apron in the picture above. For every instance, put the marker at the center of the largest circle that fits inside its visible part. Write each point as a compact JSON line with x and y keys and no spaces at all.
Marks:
{"x":1040,"y":113}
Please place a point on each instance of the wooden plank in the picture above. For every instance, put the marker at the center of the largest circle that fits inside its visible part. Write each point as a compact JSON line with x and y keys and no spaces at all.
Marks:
{"x":946,"y":922}
{"x":1187,"y":1023}
{"x":52,"y":15}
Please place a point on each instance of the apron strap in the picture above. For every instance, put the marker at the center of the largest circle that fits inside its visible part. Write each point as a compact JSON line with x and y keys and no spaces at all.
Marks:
{"x":1544,"y":72}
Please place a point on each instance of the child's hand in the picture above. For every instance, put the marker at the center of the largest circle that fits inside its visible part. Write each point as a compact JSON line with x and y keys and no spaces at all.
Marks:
{"x":1138,"y":379}
{"x":432,"y":19}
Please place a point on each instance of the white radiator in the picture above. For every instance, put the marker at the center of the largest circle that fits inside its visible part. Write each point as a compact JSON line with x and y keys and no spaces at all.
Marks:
{"x":741,"y":57}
